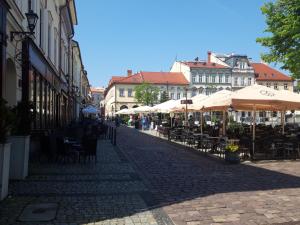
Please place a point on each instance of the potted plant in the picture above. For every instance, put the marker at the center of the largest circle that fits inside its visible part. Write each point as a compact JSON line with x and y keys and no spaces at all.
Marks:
{"x":232,"y":154}
{"x":5,"y":126}
{"x":20,"y":140}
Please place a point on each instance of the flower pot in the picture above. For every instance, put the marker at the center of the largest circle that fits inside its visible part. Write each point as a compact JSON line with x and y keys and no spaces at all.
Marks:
{"x":232,"y":157}
{"x":19,"y":157}
{"x":4,"y":169}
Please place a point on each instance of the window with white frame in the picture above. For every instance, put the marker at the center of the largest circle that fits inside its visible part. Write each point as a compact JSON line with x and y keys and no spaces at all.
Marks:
{"x":172,"y":96}
{"x":226,"y":78}
{"x":285,"y":86}
{"x":275,"y":86}
{"x":206,"y":79}
{"x":42,"y":32}
{"x":235,"y":81}
{"x":249,"y":80}
{"x":55,"y":46}
{"x":129,"y":92}
{"x":213,"y":78}
{"x":193,"y":78}
{"x":50,"y":21}
{"x":200,"y":78}
{"x":268,"y":85}
{"x":242,"y":81}
{"x":121,"y":92}
{"x":178,"y":95}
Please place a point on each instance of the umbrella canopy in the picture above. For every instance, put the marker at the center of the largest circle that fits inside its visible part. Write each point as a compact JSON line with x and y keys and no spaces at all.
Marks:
{"x":214,"y":100}
{"x":90,"y":110}
{"x":164,"y":107}
{"x":258,"y":97}
{"x":142,"y":109}
{"x":123,"y":112}
{"x":190,"y":107}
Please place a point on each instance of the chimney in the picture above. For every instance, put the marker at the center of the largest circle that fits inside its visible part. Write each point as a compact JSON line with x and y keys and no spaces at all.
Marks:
{"x":208,"y":56}
{"x":129,"y":73}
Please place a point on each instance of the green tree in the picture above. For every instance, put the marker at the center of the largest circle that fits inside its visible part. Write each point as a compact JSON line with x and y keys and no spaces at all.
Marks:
{"x":146,"y":94}
{"x":164,"y":97}
{"x":283,"y":25}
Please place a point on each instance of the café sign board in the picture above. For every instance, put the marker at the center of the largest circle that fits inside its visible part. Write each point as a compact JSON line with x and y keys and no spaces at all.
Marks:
{"x":186,"y":101}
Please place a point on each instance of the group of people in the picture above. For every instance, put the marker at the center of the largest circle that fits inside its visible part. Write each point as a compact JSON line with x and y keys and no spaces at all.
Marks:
{"x":140,"y":121}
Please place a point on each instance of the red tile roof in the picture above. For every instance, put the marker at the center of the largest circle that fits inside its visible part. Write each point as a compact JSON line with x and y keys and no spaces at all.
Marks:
{"x":204,"y":65}
{"x":266,"y":73}
{"x":175,"y":78}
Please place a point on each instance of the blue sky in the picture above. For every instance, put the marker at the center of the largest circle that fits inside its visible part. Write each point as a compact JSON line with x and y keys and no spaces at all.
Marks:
{"x":147,"y":35}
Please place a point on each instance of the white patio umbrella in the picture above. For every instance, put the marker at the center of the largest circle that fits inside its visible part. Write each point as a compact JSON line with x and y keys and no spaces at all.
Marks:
{"x":123,"y":112}
{"x":142,"y":109}
{"x":164,"y":107}
{"x":90,"y":110}
{"x":258,"y":97}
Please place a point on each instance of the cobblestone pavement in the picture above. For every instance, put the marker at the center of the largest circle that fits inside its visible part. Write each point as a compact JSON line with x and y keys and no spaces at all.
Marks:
{"x":194,"y":189}
{"x":110,"y":192}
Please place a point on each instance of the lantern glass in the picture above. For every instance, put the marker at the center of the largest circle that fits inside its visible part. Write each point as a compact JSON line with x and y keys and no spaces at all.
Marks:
{"x":31,"y":20}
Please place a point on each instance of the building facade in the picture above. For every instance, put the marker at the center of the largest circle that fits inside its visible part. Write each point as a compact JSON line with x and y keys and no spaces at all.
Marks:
{"x":204,"y":77}
{"x":120,"y":91}
{"x":267,"y":76}
{"x":242,"y":71}
{"x":38,"y":68}
{"x":97,"y":96}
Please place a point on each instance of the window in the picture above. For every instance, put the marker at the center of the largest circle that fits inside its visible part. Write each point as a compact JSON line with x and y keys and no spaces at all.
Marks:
{"x":172,"y":95}
{"x":41,"y":19}
{"x":184,"y":94}
{"x":226,"y":78}
{"x":49,"y":35}
{"x":249,"y":80}
{"x":213,"y":79}
{"x":121,"y":92}
{"x":221,"y":78}
{"x":285,"y":86}
{"x":178,"y":95}
{"x":206,"y":78}
{"x":130,"y":92}
{"x":200,"y":78}
{"x":275,"y":86}
{"x":268,"y":85}
{"x":194,"y":78}
{"x":242,"y":81}
{"x":235,"y":81}
{"x":55,"y":46}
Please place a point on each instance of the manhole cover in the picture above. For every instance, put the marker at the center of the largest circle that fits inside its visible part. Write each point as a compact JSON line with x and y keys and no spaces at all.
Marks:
{"x":39,"y":212}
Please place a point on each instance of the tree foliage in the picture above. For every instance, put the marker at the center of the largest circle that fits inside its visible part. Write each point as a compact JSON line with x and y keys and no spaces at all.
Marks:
{"x":164,"y":97}
{"x":146,"y":94}
{"x":283,"y":25}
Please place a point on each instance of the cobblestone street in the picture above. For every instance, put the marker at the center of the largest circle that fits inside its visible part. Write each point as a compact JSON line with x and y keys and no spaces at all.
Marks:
{"x":194,"y":189}
{"x":147,"y":180}
{"x":109,"y":192}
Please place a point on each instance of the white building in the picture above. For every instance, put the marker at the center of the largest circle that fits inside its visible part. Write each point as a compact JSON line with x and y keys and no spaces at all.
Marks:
{"x":242,"y":70}
{"x":39,"y":68}
{"x":205,"y":77}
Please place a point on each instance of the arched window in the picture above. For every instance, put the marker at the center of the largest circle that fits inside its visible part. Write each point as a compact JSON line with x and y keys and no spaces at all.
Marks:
{"x":123,"y":107}
{"x":135,"y":106}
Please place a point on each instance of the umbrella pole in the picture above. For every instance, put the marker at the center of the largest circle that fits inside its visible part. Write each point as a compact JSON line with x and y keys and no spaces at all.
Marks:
{"x":253,"y":132}
{"x":224,"y":121}
{"x":201,"y":120}
{"x":282,"y":121}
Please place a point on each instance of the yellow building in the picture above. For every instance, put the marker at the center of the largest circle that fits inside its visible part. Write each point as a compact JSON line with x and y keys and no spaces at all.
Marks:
{"x":267,"y":76}
{"x":120,"y":91}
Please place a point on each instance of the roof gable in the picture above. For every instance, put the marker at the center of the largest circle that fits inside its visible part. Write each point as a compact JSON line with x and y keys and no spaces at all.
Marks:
{"x":265,"y":73}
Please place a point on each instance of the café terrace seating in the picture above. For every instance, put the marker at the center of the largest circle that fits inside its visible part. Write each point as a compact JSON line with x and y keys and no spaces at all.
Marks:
{"x":75,"y":144}
{"x":269,"y":144}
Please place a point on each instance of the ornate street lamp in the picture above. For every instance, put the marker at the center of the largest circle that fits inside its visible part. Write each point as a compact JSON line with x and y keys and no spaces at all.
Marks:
{"x":32,"y":19}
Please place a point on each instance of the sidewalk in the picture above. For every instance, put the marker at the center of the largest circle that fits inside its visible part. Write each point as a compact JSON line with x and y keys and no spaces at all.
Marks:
{"x":109,"y":192}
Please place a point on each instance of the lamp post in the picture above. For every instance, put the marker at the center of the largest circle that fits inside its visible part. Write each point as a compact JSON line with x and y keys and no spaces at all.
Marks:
{"x":32,"y":18}
{"x":186,"y":113}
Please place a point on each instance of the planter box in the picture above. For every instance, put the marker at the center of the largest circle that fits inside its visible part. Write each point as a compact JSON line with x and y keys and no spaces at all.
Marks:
{"x":4,"y":169}
{"x":232,"y":157}
{"x":19,"y":157}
